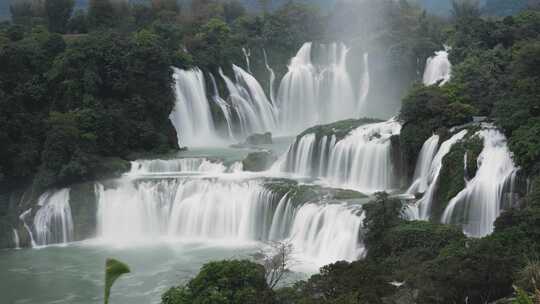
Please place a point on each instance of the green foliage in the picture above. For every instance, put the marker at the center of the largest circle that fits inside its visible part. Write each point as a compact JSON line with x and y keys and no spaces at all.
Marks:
{"x":522,"y":297}
{"x":424,"y":239}
{"x":107,"y":13}
{"x":233,"y":10}
{"x":381,"y":214}
{"x":214,"y":46}
{"x":504,"y":8}
{"x":118,"y":104}
{"x":113,"y":270}
{"x":465,"y":9}
{"x":481,"y":78}
{"x":342,"y":282}
{"x":21,"y":12}
{"x":477,"y":270}
{"x":340,"y":129}
{"x":525,"y":143}
{"x":453,"y":174}
{"x":227,"y":282}
{"x":58,"y":13}
{"x":528,"y":277}
{"x":426,"y":110}
{"x":78,"y":23}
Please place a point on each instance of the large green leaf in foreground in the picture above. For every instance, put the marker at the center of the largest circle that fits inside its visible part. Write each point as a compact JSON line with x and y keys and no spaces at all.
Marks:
{"x":113,"y":270}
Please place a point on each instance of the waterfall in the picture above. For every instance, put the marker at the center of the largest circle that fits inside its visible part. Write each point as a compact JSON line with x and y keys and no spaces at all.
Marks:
{"x":362,"y":160}
{"x":247,"y":55}
{"x":224,"y":107}
{"x":53,"y":223}
{"x":233,"y":210}
{"x":424,"y":204}
{"x":191,"y":115}
{"x":303,"y":156}
{"x":272,"y":79}
{"x":478,"y":205}
{"x":216,"y":210}
{"x":438,"y":68}
{"x":311,"y":93}
{"x":197,"y":209}
{"x":364,"y":88}
{"x":317,"y":226}
{"x":423,"y":165}
{"x":16,"y":241}
{"x":168,"y":166}
{"x":255,"y":112}
{"x":23,"y":217}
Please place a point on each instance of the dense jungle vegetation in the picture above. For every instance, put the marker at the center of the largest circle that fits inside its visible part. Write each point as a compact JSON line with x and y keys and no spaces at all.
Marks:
{"x":81,"y":92}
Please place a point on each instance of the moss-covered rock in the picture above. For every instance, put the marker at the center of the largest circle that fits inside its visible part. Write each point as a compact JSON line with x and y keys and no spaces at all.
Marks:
{"x":83,"y":203}
{"x":453,"y":174}
{"x":259,"y":139}
{"x":12,"y":204}
{"x":340,"y":128}
{"x":258,"y":161}
{"x":110,"y":167}
{"x":301,"y":194}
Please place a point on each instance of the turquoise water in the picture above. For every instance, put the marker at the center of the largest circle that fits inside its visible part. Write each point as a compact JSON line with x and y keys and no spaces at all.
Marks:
{"x":75,"y":273}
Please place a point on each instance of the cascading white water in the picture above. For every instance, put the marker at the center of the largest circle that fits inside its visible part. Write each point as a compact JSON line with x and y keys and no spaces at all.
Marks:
{"x":438,"y":68}
{"x":191,"y":115}
{"x":303,"y":156}
{"x":53,"y":223}
{"x":336,"y":95}
{"x":247,"y":55}
{"x":272,"y":79}
{"x":23,"y":217}
{"x":328,"y":232}
{"x":362,"y":160}
{"x":16,"y":240}
{"x":211,"y":210}
{"x":423,"y":206}
{"x":311,"y":94}
{"x":423,"y":165}
{"x":256,"y":114}
{"x":225,"y":108}
{"x":478,"y":205}
{"x":232,"y":210}
{"x":297,"y":94}
{"x":364,"y":88}
{"x":167,"y":166}
{"x":254,"y":93}
{"x":186,"y":209}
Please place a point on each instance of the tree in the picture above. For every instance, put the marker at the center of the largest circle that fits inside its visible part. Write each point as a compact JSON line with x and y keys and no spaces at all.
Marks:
{"x":58,"y":14}
{"x":277,"y":261}
{"x":21,"y":11}
{"x":107,"y":13}
{"x":78,"y":23}
{"x":224,"y":282}
{"x":465,"y":9}
{"x":232,"y":10}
